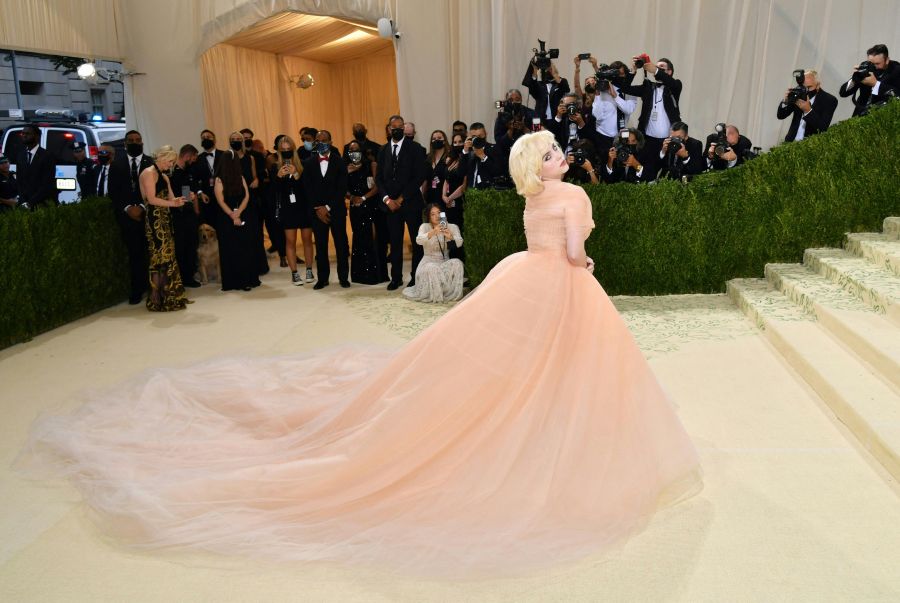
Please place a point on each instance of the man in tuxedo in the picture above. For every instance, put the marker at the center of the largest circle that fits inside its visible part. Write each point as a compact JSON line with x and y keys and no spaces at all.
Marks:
{"x":186,"y":219}
{"x":478,"y":153}
{"x":546,"y":88}
{"x":875,"y":88}
{"x":104,"y":158}
{"x":513,"y":109}
{"x":811,"y":115}
{"x":571,"y":125}
{"x":35,"y":171}
{"x":632,"y":169}
{"x":401,"y":172}
{"x":204,"y":175}
{"x":687,"y":160}
{"x":128,"y":203}
{"x":659,"y":93}
{"x":325,"y":183}
{"x":722,"y":155}
{"x":85,"y":170}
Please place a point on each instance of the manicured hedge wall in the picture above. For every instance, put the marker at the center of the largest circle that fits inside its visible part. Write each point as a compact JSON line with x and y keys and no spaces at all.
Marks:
{"x":58,"y":264}
{"x":675,"y":238}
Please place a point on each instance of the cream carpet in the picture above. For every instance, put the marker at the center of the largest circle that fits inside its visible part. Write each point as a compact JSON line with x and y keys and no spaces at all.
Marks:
{"x":792,"y":509}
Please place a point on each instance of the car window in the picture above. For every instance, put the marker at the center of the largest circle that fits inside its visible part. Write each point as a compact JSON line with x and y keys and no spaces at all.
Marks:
{"x":58,"y":141}
{"x":109,"y":135}
{"x":12,"y":146}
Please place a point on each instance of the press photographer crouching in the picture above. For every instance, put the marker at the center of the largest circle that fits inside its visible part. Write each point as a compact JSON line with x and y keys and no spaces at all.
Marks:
{"x":581,"y":160}
{"x":872,"y":82}
{"x":726,"y":148}
{"x":509,"y":110}
{"x":571,"y":124}
{"x":623,"y":163}
{"x":810,"y":107}
{"x":438,"y":277}
{"x":681,"y":155}
{"x":479,"y":153}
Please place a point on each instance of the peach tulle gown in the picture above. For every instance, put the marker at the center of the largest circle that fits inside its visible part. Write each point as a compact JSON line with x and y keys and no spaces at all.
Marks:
{"x":522,"y":429}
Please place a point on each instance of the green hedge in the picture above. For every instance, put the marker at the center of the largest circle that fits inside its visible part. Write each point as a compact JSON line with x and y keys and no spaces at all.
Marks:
{"x":58,"y":264}
{"x":671,"y":237}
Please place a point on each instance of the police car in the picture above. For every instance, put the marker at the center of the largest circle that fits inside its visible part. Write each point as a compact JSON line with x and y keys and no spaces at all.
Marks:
{"x":58,"y":132}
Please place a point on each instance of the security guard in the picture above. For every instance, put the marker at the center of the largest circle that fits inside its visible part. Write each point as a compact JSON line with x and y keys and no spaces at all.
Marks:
{"x":85,"y":170}
{"x":9,"y":191}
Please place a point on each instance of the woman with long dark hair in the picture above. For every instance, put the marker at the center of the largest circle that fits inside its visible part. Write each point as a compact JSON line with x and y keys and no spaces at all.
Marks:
{"x":236,"y":236}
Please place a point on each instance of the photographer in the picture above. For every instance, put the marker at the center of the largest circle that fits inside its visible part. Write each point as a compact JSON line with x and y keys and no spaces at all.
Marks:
{"x":515,"y":128}
{"x":611,"y":108}
{"x":481,"y":164}
{"x":571,"y":124}
{"x":726,"y":148}
{"x":811,"y":107}
{"x":873,"y":81}
{"x":544,"y":84}
{"x":581,"y":160}
{"x":681,"y":155}
{"x":659,"y":107}
{"x":622,"y":163}
{"x":512,"y":108}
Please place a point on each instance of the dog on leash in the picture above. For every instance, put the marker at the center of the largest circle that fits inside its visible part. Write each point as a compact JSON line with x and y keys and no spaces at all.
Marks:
{"x":208,"y":255}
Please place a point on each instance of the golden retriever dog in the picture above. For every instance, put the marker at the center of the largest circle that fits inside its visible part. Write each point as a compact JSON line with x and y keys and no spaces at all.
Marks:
{"x":208,"y":255}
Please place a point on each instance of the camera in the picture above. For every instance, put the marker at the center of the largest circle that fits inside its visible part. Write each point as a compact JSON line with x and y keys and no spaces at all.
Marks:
{"x":605,"y":77}
{"x":799,"y":92}
{"x":641,"y":60}
{"x":478,"y":142}
{"x":623,"y":149}
{"x":675,"y":144}
{"x":578,"y":156}
{"x":864,"y":69}
{"x":720,"y":139}
{"x":510,"y":109}
{"x":543,"y":56}
{"x":571,"y":109}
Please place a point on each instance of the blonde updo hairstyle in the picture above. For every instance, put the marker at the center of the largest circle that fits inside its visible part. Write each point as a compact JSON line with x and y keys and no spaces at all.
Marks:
{"x":165,"y":153}
{"x":526,"y":159}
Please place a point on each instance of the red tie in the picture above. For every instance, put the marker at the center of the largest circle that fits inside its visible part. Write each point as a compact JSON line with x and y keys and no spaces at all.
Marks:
{"x":323,"y":158}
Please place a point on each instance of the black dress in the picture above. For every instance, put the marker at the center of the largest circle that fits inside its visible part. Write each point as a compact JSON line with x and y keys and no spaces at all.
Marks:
{"x":253,"y":214}
{"x":434,"y":182}
{"x":293,"y":212}
{"x":270,"y":210}
{"x":166,"y":287}
{"x":237,"y":251}
{"x":365,"y":263}
{"x":455,"y":179}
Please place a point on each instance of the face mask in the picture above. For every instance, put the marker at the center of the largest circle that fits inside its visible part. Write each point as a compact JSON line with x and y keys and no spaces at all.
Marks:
{"x":458,"y":146}
{"x":323,"y":148}
{"x":437,"y":144}
{"x":134,"y":149}
{"x":396,"y":134}
{"x":308,"y":145}
{"x":103,"y":159}
{"x":287,"y":155}
{"x":248,"y":143}
{"x":236,"y":145}
{"x":359,"y":134}
{"x":355,"y":156}
{"x":208,"y":144}
{"x":589,"y":89}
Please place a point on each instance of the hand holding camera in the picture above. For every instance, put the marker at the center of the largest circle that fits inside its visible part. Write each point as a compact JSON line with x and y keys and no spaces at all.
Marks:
{"x":643,"y":60}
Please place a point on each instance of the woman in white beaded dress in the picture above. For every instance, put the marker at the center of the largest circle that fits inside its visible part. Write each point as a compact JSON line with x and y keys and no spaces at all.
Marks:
{"x":438,"y":277}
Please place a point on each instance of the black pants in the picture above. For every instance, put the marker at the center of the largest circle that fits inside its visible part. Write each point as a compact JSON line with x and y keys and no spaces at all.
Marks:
{"x":338,"y":229}
{"x":411,"y":218}
{"x":650,"y":158}
{"x":135,"y":240}
{"x":382,"y":239}
{"x":184,"y":224}
{"x":273,"y":226}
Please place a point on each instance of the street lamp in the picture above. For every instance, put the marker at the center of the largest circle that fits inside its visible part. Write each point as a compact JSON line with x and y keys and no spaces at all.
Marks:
{"x":89,"y":71}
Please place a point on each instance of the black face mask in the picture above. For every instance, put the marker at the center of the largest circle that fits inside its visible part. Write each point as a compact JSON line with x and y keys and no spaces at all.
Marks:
{"x":589,"y":89}
{"x":248,"y":143}
{"x":359,"y":134}
{"x":134,"y":149}
{"x":236,"y":145}
{"x":208,"y":143}
{"x":103,"y":159}
{"x":437,"y":144}
{"x":396,"y":134}
{"x":287,"y":155}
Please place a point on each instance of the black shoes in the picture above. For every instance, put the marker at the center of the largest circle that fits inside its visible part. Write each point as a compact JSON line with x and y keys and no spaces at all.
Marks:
{"x":135,"y":300}
{"x":191,"y":284}
{"x":320,"y":285}
{"x":345,"y":284}
{"x":393,"y":286}
{"x":412,"y":283}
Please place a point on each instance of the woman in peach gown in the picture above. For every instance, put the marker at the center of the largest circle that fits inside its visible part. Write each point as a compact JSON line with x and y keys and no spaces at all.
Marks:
{"x":523,"y":429}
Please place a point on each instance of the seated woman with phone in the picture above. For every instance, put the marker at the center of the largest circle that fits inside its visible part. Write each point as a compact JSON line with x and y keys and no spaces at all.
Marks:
{"x":438,"y":278}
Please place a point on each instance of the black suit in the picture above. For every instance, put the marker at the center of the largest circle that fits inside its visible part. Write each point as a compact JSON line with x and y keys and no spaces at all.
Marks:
{"x":86,"y":174}
{"x":481,"y":173}
{"x":621,"y":173}
{"x":185,"y":223}
{"x":37,"y":179}
{"x":817,"y":120}
{"x":560,"y":129}
{"x":124,"y":192}
{"x":329,"y":190}
{"x":204,"y":177}
{"x":671,"y":93}
{"x":538,"y":91}
{"x":743,"y":145}
{"x":862,"y":94}
{"x":403,"y":177}
{"x":693,"y":165}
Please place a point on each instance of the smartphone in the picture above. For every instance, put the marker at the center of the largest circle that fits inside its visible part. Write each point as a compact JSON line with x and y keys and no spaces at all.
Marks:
{"x":535,"y":124}
{"x":443,"y":219}
{"x":584,"y":56}
{"x":186,"y":193}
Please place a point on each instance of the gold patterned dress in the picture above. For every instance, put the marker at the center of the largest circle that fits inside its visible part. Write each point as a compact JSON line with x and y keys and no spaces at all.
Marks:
{"x":166,"y":288}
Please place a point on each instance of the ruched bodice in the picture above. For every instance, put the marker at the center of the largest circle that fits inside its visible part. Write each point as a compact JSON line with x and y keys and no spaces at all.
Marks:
{"x":559,"y":211}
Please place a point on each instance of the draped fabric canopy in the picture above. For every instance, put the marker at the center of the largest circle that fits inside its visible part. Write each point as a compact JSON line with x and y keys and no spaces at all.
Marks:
{"x":456,"y":56}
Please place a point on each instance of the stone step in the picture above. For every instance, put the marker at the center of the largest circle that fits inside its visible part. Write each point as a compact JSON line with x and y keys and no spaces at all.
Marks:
{"x":879,"y":249}
{"x":869,"y":406}
{"x":891,"y":227}
{"x":875,"y":286}
{"x":863,"y":330}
